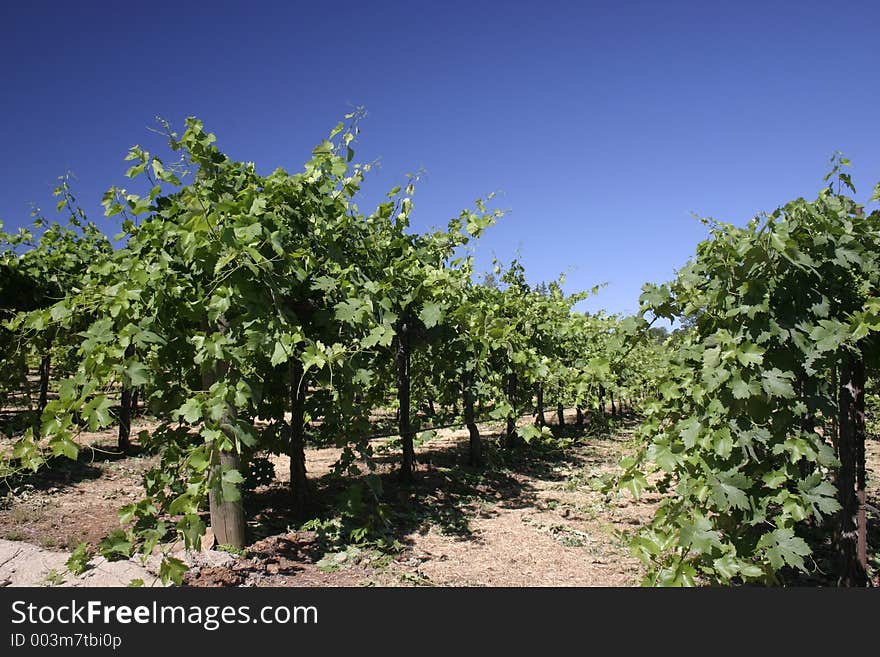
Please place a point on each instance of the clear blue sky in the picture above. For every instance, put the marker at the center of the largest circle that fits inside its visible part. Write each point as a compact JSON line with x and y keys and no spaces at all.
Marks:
{"x":604,"y":125}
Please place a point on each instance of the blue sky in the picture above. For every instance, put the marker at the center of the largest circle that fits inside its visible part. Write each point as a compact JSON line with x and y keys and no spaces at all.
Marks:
{"x":602,"y":125}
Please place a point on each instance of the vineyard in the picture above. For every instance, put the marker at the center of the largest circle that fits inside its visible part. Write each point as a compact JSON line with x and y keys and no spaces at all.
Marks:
{"x":256,"y":369}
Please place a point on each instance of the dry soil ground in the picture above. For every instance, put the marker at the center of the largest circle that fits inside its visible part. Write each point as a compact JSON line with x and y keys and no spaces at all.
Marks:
{"x":533,"y":520}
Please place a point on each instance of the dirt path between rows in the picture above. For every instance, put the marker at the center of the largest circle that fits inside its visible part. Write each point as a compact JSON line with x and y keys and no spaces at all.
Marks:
{"x":536,"y":524}
{"x":538,"y":520}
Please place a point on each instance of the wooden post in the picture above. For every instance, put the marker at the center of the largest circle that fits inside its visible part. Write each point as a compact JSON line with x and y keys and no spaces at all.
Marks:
{"x":403,"y":398}
{"x":861,"y":518}
{"x":296,"y":445}
{"x":510,"y":430}
{"x":539,"y":411}
{"x":227,"y":516}
{"x":850,"y":535}
{"x":45,"y":365}
{"x":476,"y":447}
{"x":123,"y":441}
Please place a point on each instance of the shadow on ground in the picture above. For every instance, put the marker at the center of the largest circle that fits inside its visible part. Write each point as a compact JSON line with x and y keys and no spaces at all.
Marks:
{"x":446,"y":493}
{"x":61,"y":471}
